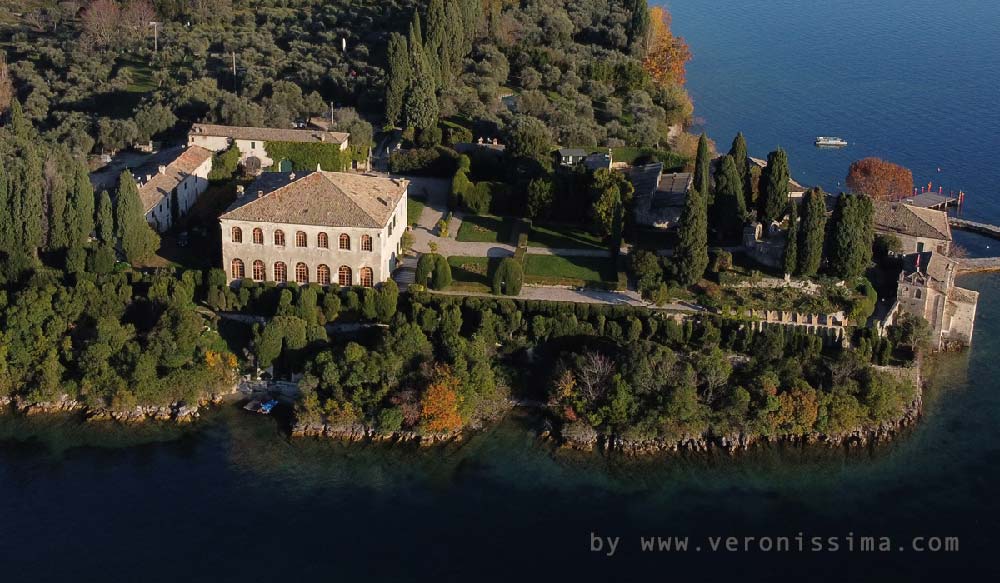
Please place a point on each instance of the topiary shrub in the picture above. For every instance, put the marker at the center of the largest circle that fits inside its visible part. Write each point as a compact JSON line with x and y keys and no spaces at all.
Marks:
{"x":425,"y":266}
{"x":442,"y":273}
{"x":508,"y":278}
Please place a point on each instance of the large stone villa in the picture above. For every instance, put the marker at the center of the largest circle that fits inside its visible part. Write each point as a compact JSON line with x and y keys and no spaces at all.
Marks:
{"x":252,"y":142}
{"x":315,"y":227}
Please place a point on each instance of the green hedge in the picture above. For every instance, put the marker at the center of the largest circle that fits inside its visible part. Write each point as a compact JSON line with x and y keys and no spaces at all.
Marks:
{"x":306,"y":157}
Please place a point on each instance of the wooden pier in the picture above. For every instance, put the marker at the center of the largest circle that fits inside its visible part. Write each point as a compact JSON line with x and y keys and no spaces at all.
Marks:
{"x":977,"y":265}
{"x":932,"y":200}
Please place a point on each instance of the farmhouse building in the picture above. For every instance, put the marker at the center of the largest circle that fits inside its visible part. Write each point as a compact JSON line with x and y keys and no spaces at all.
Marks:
{"x":169,"y":191}
{"x":253,"y":142}
{"x":315,"y":227}
{"x":918,"y":229}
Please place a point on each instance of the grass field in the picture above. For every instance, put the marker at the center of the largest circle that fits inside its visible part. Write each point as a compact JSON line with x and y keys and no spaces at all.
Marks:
{"x":554,"y":270}
{"x":554,"y":236}
{"x":471,"y":273}
{"x":485,"y":229}
{"x":414,"y":208}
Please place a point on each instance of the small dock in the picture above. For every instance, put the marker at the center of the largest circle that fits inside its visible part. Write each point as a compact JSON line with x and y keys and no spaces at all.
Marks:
{"x":932,"y":200}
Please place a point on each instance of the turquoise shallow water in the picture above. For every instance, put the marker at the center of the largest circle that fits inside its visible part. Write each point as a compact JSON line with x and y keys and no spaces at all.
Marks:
{"x":232,"y":500}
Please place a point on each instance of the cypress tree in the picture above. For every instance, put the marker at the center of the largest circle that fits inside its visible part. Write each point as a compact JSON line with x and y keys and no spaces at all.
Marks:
{"x":853,"y":235}
{"x":81,"y":206}
{"x":472,"y":23}
{"x":742,"y":159}
{"x":702,"y":165}
{"x":105,"y":220}
{"x":792,"y":240}
{"x":774,"y":187}
{"x":7,"y":231}
{"x":812,"y":232}
{"x":420,"y":105}
{"x":29,"y":199}
{"x":730,"y":207}
{"x":691,"y":254}
{"x":137,"y":239}
{"x":57,"y":202}
{"x":436,"y":45}
{"x":398,"y":79}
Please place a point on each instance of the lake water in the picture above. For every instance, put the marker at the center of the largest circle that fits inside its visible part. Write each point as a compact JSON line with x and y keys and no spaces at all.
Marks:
{"x":231,"y":499}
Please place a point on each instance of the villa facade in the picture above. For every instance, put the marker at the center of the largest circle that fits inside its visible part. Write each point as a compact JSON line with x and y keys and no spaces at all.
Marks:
{"x":316,"y":227}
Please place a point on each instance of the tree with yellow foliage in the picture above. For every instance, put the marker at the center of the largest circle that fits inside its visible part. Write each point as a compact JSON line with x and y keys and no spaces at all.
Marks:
{"x":439,"y":405}
{"x":666,"y":55}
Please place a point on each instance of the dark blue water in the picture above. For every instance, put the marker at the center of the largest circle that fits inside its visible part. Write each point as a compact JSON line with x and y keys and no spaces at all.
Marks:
{"x":232,"y":500}
{"x":912,"y":81}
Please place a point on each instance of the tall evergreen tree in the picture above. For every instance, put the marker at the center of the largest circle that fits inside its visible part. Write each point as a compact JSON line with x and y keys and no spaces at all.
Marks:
{"x":812,"y":232}
{"x":436,"y":43}
{"x":420,"y":105}
{"x":638,"y":27}
{"x":28,"y":197}
{"x":137,"y":239}
{"x":7,"y":231}
{"x":691,"y":254}
{"x":774,"y":187}
{"x":57,"y":201}
{"x":81,"y":207}
{"x":702,"y":168}
{"x":742,"y":159}
{"x":791,"y":258}
{"x":852,"y":236}
{"x":730,"y":207}
{"x":398,"y":79}
{"x":105,"y":219}
{"x":472,"y":23}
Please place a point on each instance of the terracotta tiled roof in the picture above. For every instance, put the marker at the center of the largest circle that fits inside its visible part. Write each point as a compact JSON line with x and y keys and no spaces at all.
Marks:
{"x":330,"y":199}
{"x":169,"y":176}
{"x":268,"y":134}
{"x":898,"y":217}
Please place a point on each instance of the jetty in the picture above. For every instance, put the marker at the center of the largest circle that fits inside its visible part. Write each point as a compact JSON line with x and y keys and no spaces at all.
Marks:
{"x":977,"y":265}
{"x":981,"y":228}
{"x":933,"y":200}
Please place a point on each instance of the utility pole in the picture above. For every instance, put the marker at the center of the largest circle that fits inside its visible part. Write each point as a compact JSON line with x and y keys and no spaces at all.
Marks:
{"x":156,"y":35}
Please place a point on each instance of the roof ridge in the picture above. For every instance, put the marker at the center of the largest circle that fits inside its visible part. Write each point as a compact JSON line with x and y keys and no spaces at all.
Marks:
{"x":326,"y":174}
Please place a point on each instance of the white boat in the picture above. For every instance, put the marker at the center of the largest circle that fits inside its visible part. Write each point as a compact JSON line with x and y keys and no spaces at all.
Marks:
{"x":831,"y":142}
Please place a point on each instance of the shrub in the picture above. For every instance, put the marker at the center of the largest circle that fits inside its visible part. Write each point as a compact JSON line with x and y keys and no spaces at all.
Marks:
{"x":425,"y":266}
{"x":442,"y":273}
{"x":508,"y":278}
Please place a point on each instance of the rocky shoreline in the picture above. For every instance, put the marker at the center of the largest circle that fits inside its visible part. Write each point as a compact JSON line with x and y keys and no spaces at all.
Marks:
{"x":360,"y":433}
{"x":178,"y":412}
{"x":741,"y":442}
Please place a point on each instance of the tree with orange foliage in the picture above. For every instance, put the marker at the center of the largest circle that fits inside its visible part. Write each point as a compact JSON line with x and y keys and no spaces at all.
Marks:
{"x":439,"y":405}
{"x":879,"y":179}
{"x":666,"y":55}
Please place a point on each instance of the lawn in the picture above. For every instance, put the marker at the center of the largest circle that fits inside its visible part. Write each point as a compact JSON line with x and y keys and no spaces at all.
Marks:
{"x":471,"y":273}
{"x":555,"y":236}
{"x":486,"y":229}
{"x":414,"y":208}
{"x":578,"y":271}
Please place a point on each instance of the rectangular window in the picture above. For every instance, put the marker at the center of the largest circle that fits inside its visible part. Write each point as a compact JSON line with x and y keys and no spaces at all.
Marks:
{"x":253,"y":145}
{"x":920,"y":247}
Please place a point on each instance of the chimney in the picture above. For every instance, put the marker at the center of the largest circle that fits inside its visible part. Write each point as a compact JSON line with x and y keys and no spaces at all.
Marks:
{"x":260,"y":193}
{"x":291,"y":176}
{"x":163,"y":169}
{"x":240,"y":191}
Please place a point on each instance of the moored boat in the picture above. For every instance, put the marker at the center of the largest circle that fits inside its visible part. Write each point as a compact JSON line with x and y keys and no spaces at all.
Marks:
{"x":830,"y":142}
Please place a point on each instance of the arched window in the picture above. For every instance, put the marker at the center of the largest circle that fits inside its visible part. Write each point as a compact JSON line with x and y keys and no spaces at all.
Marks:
{"x":280,"y":272}
{"x":344,"y":276}
{"x":258,"y":270}
{"x":300,"y":239}
{"x":301,"y":273}
{"x":258,"y":236}
{"x":238,"y":269}
{"x":323,"y":275}
{"x":916,"y":293}
{"x":323,"y":241}
{"x":345,"y":242}
{"x":237,"y":235}
{"x":279,"y":238}
{"x":366,"y":243}
{"x":367,"y":277}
